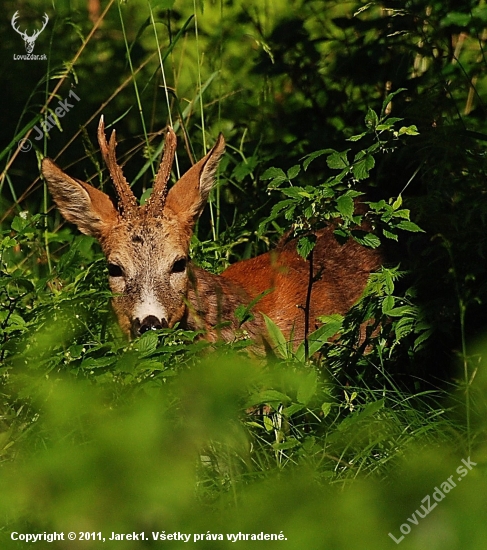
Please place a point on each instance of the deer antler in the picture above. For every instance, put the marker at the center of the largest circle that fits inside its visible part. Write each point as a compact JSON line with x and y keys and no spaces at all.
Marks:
{"x":38,"y":32}
{"x":156,"y":201}
{"x":127,"y":201}
{"x":14,"y":21}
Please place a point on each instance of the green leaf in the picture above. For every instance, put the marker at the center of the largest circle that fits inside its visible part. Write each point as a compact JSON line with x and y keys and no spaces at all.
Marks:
{"x":338,"y":160}
{"x":401,"y":311}
{"x":409,"y":130}
{"x":8,"y":242}
{"x":372,"y":408}
{"x":371,"y":240}
{"x":357,"y":137}
{"x":390,"y":235}
{"x":308,"y":159}
{"x":458,"y":19}
{"x":317,"y":339}
{"x":397,"y":203}
{"x":307,"y":388}
{"x":326,"y":408}
{"x":276,"y":175}
{"x":289,"y":213}
{"x":272,"y":173}
{"x":280,"y":206}
{"x":292,"y":409}
{"x":295,"y":192}
{"x":147,"y":343}
{"x":293,"y":171}
{"x":345,"y":206}
{"x":366,"y":239}
{"x":145,"y":196}
{"x":421,"y":339}
{"x":480,"y":12}
{"x":268,"y":424}
{"x":388,"y":304}
{"x":253,"y":425}
{"x":385,"y":126}
{"x":340,"y":233}
{"x":97,"y":363}
{"x":19,"y":223}
{"x":290,"y":443}
{"x":390,"y":121}
{"x":276,"y":336}
{"x":15,"y":322}
{"x":23,"y":281}
{"x":362,"y":168}
{"x":368,"y":410}
{"x":377,"y":206}
{"x":402,"y":213}
{"x":151,"y":365}
{"x":243,"y":313}
{"x":388,"y":281}
{"x":76,"y":351}
{"x":371,"y":119}
{"x":410,"y":226}
{"x":306,"y":245}
{"x":267,"y":396}
{"x":275,"y":183}
{"x":244,"y":168}
{"x":389,"y":98}
{"x":404,"y":327}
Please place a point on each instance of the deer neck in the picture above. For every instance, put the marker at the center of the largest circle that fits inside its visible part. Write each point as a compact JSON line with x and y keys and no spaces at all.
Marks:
{"x":212,"y":301}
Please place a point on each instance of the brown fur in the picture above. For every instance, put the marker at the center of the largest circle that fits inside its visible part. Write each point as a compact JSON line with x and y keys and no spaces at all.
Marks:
{"x":147,"y":247}
{"x":340,"y":273}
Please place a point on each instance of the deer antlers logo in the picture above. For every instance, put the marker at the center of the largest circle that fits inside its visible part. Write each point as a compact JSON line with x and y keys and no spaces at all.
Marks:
{"x":30,"y":41}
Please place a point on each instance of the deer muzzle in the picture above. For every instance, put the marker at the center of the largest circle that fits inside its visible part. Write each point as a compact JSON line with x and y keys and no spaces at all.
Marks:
{"x":151,"y":322}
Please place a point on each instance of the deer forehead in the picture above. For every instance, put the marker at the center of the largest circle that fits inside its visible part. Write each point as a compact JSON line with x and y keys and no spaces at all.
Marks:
{"x":147,"y":243}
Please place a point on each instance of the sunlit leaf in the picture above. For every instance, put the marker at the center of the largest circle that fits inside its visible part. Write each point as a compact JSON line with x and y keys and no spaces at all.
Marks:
{"x":345,"y":206}
{"x":306,"y":245}
{"x":307,"y":387}
{"x":338,"y":160}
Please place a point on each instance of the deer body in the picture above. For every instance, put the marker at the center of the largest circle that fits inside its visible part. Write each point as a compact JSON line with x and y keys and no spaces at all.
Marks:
{"x":340,"y":273}
{"x":155,"y":284}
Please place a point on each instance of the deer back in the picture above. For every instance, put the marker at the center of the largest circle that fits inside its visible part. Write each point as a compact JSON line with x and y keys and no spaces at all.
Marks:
{"x":335,"y":278}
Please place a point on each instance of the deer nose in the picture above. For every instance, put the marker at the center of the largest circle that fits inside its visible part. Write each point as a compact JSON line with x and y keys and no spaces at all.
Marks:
{"x":151,"y":322}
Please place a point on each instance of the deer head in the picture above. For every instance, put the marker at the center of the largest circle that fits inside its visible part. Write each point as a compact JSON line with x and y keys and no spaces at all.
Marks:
{"x":146,"y":246}
{"x":30,"y":41}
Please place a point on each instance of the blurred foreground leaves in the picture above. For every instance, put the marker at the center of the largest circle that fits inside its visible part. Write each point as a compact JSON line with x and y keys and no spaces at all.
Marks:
{"x":153,"y":463}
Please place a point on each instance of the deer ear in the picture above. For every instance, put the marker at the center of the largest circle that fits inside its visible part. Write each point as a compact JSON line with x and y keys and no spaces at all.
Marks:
{"x":187,"y":198}
{"x":80,"y":203}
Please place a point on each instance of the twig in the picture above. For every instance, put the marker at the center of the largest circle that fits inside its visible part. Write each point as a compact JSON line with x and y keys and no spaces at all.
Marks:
{"x":307,"y":306}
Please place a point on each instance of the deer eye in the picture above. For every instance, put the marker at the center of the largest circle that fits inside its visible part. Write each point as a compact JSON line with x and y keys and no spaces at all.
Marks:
{"x":115,"y":270}
{"x":179,"y":266}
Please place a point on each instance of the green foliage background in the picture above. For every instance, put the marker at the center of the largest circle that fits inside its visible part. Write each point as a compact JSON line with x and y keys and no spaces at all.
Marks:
{"x":319,"y":101}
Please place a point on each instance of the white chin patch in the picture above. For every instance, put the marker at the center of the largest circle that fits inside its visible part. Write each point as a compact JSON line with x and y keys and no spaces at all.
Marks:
{"x":149,"y":305}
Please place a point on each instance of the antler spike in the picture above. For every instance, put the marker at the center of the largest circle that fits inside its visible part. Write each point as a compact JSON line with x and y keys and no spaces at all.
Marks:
{"x":127,"y":201}
{"x":156,"y":202}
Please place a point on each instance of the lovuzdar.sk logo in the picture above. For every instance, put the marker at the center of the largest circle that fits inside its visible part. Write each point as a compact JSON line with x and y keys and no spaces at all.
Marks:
{"x":29,"y":40}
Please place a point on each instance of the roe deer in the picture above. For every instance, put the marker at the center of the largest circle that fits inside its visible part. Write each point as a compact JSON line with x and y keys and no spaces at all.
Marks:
{"x":156,"y":285}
